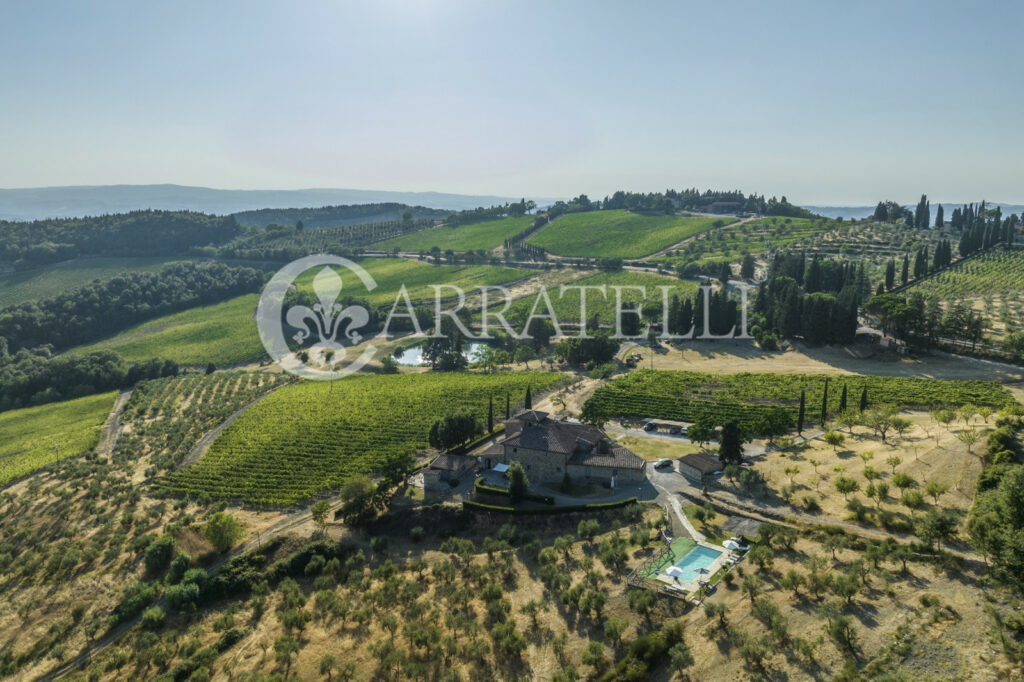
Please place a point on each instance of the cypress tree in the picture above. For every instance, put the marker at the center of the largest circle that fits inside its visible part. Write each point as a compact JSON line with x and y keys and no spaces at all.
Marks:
{"x":730,"y":447}
{"x":864,"y":399}
{"x":905,"y":274}
{"x":824,"y":404}
{"x":842,"y":399}
{"x":528,"y":400}
{"x":800,"y":416}
{"x":490,"y":414}
{"x":938,"y":216}
{"x":508,"y":414}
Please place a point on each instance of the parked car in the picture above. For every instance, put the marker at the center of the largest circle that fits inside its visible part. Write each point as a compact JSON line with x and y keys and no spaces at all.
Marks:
{"x":663,"y":463}
{"x":675,"y":430}
{"x":650,"y":426}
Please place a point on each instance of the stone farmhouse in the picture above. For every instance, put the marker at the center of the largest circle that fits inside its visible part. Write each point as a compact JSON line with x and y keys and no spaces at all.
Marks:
{"x":548,"y":449}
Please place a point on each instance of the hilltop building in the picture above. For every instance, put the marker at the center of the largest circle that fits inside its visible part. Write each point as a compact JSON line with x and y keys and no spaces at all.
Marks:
{"x":547,"y":449}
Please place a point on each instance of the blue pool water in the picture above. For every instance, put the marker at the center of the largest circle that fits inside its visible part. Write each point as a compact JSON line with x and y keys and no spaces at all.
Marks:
{"x":697,"y":558}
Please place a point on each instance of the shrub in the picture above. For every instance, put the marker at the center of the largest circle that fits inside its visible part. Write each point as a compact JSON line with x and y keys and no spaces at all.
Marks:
{"x":153,"y":617}
{"x":159,"y":553}
{"x":223,"y":530}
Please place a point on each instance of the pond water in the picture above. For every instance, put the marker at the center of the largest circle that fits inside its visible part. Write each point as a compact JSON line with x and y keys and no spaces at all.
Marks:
{"x":413,"y":355}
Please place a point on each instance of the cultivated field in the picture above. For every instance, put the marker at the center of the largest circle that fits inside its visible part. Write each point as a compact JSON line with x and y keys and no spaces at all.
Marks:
{"x":567,"y":307}
{"x":731,"y":242}
{"x":687,"y":396}
{"x":312,"y":437}
{"x":391,"y":274}
{"x":224,"y":334}
{"x":165,"y":418}
{"x":32,"y":437}
{"x":484,"y":235}
{"x":992,"y":283}
{"x":617,"y":233}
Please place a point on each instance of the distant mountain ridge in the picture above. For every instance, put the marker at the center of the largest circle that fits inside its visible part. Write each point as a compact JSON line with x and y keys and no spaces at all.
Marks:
{"x":92,"y":200}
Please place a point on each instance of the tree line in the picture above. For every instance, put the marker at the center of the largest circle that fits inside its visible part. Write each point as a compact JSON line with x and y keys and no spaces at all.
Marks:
{"x":25,"y":245}
{"x":671,"y":200}
{"x":919,"y":320}
{"x":103,"y":308}
{"x":333,"y":216}
{"x":33,"y":377}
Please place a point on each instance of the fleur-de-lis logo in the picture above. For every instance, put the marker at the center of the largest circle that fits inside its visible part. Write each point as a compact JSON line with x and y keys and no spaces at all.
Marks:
{"x":326,"y":320}
{"x":326,"y":316}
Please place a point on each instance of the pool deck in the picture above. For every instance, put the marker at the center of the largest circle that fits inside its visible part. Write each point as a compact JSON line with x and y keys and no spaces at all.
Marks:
{"x":712,"y":568}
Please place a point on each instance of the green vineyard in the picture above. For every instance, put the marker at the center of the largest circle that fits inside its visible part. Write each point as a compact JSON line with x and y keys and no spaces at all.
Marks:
{"x":997,"y":272}
{"x":618,"y":234}
{"x":167,"y":416}
{"x":685,"y":396}
{"x":313,"y":436}
{"x":469,"y":237}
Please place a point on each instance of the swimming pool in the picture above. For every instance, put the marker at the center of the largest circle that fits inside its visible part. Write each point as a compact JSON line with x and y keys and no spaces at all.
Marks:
{"x":697,"y":558}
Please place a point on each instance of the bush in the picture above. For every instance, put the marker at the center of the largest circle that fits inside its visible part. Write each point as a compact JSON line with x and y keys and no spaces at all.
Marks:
{"x":223,"y":530}
{"x":159,"y":553}
{"x":153,"y":617}
{"x":183,"y":597}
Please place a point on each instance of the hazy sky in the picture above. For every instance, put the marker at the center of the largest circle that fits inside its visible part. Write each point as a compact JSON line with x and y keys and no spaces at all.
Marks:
{"x":826,"y":102}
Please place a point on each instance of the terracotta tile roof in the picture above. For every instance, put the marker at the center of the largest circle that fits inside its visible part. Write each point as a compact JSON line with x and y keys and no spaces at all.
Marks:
{"x":704,"y":463}
{"x":450,"y":462}
{"x":618,"y":458}
{"x":587,"y":445}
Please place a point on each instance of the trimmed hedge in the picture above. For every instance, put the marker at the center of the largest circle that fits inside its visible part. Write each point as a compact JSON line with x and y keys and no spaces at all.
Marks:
{"x":482,"y":487}
{"x":469,"y":505}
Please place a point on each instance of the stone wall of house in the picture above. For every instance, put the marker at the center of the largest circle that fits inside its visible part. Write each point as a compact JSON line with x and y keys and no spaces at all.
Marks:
{"x":578,"y":473}
{"x":691,"y":474}
{"x":540,"y":466}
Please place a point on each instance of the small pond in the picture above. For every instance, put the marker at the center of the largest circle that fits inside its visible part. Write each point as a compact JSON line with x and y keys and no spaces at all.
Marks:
{"x":413,"y":355}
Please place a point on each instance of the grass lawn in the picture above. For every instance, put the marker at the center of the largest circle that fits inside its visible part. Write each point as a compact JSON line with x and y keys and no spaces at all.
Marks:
{"x":33,"y":437}
{"x":32,"y":285}
{"x":485,"y":235}
{"x":617,"y":233}
{"x":680,"y":547}
{"x":653,"y":449}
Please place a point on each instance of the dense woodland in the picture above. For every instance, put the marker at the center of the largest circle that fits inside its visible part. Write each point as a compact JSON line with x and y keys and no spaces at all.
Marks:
{"x":334,"y":216}
{"x":34,"y":377}
{"x":104,"y":308}
{"x":139,"y":233}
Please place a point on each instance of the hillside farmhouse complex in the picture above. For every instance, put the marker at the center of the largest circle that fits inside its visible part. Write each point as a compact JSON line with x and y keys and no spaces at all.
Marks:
{"x":548,"y":449}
